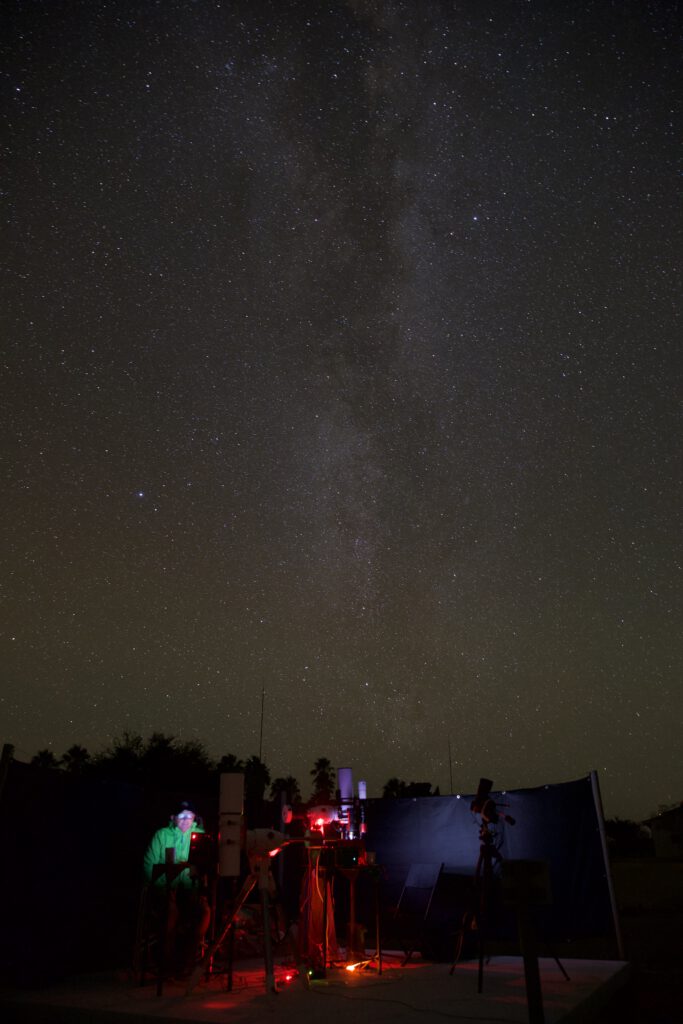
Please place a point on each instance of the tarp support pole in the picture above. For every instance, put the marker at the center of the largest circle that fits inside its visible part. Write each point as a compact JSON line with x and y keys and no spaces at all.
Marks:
{"x":597,"y":799}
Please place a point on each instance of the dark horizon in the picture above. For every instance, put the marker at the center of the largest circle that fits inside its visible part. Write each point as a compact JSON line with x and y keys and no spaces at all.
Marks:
{"x":209,"y":764}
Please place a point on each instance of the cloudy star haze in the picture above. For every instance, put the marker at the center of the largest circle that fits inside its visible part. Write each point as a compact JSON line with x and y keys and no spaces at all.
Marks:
{"x":341,"y":360}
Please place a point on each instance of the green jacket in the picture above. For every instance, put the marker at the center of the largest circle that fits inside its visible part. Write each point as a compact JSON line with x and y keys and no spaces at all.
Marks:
{"x":171,"y":836}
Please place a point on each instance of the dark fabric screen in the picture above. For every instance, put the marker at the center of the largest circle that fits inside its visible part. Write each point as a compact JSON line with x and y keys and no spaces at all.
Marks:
{"x":557,"y":824}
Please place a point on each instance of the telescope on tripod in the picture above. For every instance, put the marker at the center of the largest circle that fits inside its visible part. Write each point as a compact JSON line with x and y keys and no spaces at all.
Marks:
{"x":478,"y":916}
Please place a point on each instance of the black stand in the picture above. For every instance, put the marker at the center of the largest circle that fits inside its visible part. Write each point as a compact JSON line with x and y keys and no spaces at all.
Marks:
{"x":477,"y":917}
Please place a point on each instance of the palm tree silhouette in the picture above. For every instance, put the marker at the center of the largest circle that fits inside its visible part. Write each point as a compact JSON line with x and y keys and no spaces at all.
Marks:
{"x":323,"y":780}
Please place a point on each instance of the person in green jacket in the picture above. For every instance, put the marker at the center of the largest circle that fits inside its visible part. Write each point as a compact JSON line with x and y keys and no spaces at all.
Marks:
{"x":178,"y":891}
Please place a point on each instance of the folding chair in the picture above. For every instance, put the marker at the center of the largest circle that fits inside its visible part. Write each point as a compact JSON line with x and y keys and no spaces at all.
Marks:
{"x":415,"y":900}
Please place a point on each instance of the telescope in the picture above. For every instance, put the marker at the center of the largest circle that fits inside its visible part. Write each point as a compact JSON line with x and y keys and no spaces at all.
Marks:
{"x":484,"y":805}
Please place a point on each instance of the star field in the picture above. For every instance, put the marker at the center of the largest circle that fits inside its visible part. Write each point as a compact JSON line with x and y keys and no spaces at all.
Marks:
{"x":341,"y":352}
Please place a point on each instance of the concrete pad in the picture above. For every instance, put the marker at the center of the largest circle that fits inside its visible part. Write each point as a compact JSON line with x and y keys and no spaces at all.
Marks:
{"x":343,"y":997}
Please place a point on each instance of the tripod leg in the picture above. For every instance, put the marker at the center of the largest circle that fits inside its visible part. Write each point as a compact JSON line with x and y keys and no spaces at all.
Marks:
{"x":480,"y":974}
{"x":249,"y":883}
{"x":561,"y":966}
{"x":141,"y":951}
{"x":267,"y":946}
{"x":325,"y":894}
{"x":378,"y":934}
{"x":292,"y":940}
{"x":469,"y":916}
{"x":460,"y":938}
{"x":164,"y":943}
{"x":231,"y":957}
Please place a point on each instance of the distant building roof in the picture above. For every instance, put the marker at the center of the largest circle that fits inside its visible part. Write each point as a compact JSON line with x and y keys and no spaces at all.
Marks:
{"x":667,"y":818}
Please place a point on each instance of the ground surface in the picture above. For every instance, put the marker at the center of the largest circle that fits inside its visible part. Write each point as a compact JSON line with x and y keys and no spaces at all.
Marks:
{"x":653,"y":944}
{"x":418,"y":992}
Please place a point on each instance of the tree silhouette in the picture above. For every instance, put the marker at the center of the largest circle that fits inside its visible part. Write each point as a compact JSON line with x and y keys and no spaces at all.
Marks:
{"x":192,"y":764}
{"x":419,"y":789}
{"x":627,"y":839}
{"x":45,"y":759}
{"x":171,"y":764}
{"x":157,"y":760}
{"x":230,"y":763}
{"x":123,"y":759}
{"x":162,"y":762}
{"x":323,"y":781}
{"x":76,"y":759}
{"x":256,"y":778}
{"x":287,"y":785}
{"x":394,"y":788}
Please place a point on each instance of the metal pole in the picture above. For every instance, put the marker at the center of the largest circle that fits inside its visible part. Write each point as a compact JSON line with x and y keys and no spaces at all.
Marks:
{"x":597,"y":799}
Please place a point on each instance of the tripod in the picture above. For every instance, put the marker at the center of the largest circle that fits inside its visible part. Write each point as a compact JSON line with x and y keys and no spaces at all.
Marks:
{"x":262,"y":845}
{"x":211,"y":950}
{"x":477,"y":916}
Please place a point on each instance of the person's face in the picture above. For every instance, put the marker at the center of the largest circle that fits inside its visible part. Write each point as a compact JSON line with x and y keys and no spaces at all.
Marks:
{"x":184,"y":820}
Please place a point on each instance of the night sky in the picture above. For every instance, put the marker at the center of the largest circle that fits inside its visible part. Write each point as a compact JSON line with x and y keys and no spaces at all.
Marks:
{"x":340,"y":348}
